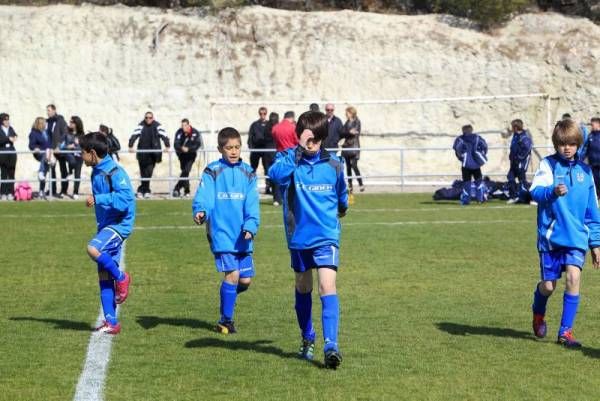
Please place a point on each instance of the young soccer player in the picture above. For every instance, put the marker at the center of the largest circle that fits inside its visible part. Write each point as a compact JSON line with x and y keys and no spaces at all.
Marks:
{"x":315,"y":196}
{"x":568,"y":223}
{"x":227,"y":200}
{"x":471,"y":151}
{"x":520,"y":153}
{"x":114,"y":202}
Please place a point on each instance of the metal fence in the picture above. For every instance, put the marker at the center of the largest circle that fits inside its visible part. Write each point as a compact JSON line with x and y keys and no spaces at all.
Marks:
{"x":399,"y":167}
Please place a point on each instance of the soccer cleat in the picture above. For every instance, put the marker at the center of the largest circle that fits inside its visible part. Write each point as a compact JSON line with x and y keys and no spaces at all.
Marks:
{"x":122,"y":288}
{"x":307,"y":349}
{"x":362,"y":188}
{"x":333,"y":358}
{"x":539,"y":326}
{"x":147,"y":195}
{"x":139,"y":195}
{"x":226,"y":327}
{"x":567,"y":340}
{"x":108,"y":328}
{"x":512,"y":201}
{"x":275,"y":203}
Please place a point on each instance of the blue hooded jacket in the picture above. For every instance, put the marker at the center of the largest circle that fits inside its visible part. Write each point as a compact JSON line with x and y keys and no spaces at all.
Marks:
{"x":593,"y":148}
{"x":114,"y":197}
{"x":471,"y":150}
{"x":314,"y":192}
{"x":571,"y":220}
{"x":228,"y":195}
{"x":520,"y":149}
{"x":582,"y":151}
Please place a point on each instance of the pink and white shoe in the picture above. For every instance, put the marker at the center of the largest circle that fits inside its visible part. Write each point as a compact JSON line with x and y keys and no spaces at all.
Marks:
{"x":122,"y":289}
{"x":108,"y":328}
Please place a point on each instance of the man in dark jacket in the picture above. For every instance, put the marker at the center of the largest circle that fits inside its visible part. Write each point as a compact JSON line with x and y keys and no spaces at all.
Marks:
{"x":58,"y":132}
{"x":8,"y":161}
{"x":150,"y":133}
{"x":335,"y":128}
{"x":257,"y":139}
{"x":187,"y":142}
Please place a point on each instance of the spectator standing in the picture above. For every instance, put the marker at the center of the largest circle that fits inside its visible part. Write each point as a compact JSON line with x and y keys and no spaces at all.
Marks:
{"x":519,"y":156}
{"x":57,"y":130}
{"x":77,"y":132}
{"x":270,"y":144}
{"x":187,"y":142}
{"x":150,"y":133}
{"x":284,"y":133}
{"x":335,"y":128}
{"x":351,"y":135}
{"x":8,"y":161}
{"x":41,"y":145}
{"x":593,"y":152}
{"x":114,"y":146}
{"x":258,"y":140}
{"x":471,"y":151}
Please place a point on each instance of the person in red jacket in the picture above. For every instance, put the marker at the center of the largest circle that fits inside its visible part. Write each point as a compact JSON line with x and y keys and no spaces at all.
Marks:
{"x":284,"y":133}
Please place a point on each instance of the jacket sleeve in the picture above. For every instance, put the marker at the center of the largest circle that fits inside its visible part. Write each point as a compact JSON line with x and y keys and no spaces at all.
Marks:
{"x":251,"y":136}
{"x":342,"y":189}
{"x":134,"y":137}
{"x":122,"y":195}
{"x":458,"y":149}
{"x":115,"y":143}
{"x":525,"y":148}
{"x":542,"y":187}
{"x":285,"y":163}
{"x":196,"y":144}
{"x":32,"y":141}
{"x":204,"y":201}
{"x":592,"y":218}
{"x":178,"y":140}
{"x":163,"y":136}
{"x":483,"y":147}
{"x":251,"y":208}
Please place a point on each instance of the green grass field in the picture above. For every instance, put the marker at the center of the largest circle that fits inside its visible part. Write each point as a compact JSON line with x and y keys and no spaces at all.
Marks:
{"x":433,"y":308}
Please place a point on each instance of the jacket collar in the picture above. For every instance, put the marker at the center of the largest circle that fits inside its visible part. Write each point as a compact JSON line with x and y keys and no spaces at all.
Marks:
{"x":105,"y":165}
{"x":227,"y":163}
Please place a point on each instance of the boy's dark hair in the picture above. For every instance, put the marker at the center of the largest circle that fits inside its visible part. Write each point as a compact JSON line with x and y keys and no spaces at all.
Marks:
{"x":53,"y":107}
{"x":94,"y":141}
{"x":104,"y":129}
{"x":4,"y":116}
{"x":566,"y":115}
{"x":595,"y":120}
{"x":289,"y":114}
{"x":185,"y":120}
{"x":314,"y":121}
{"x":467,"y":129}
{"x":517,"y":124}
{"x":226,"y":134}
{"x":273,"y":118}
{"x":313,"y":107}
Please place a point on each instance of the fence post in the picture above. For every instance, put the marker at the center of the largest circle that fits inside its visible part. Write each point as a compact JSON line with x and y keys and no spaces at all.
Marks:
{"x":401,"y":170}
{"x":170,"y":172}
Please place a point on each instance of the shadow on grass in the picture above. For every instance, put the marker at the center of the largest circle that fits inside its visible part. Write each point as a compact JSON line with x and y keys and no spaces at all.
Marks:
{"x":261,"y":346}
{"x":463,"y":330}
{"x":150,"y":322}
{"x":59,"y":324}
{"x":441,"y":202}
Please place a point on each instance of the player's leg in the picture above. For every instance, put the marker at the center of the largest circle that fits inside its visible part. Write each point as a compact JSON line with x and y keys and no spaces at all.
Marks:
{"x":227,"y":264}
{"x":104,"y":248}
{"x":550,"y":271}
{"x":570,"y":306}
{"x":246,"y":271}
{"x":327,"y":259}
{"x":302,"y":263}
{"x":111,"y":323}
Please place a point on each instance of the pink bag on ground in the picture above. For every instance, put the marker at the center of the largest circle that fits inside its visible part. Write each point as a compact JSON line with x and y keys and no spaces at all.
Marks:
{"x":23,"y":191}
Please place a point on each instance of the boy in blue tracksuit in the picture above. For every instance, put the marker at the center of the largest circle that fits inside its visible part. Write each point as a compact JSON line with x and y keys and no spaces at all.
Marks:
{"x":114,"y":202}
{"x":568,"y":223}
{"x":315,"y":197}
{"x":227,"y":200}
{"x":593,"y":152}
{"x":471,"y":151}
{"x":519,"y":156}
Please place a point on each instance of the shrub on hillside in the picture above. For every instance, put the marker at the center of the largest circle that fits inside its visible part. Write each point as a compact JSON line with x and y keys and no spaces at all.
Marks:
{"x":486,"y":13}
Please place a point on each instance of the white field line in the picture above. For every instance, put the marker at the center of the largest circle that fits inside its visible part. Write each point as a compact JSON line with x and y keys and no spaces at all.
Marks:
{"x":91,"y":381}
{"x":380,"y":223}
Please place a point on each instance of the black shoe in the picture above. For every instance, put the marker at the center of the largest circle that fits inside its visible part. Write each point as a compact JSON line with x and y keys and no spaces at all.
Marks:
{"x":225,"y":327}
{"x":176,"y":193}
{"x":333,"y":358}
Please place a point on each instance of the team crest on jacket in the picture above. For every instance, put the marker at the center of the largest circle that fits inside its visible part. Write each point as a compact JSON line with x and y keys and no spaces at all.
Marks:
{"x":580,"y":177}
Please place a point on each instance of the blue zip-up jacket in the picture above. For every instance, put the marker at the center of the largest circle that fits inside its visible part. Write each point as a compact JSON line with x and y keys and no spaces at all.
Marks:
{"x":471,"y":150}
{"x":572,"y":220}
{"x":520,"y":149}
{"x":581,"y":152}
{"x":593,"y":148}
{"x":228,"y":195}
{"x":116,"y":208}
{"x":314,"y":192}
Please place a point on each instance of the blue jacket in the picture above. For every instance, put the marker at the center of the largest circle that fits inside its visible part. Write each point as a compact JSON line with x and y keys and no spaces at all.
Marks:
{"x":39,"y":139}
{"x":314,"y":192}
{"x":114,"y":197}
{"x":520,"y":149}
{"x":572,"y":220}
{"x":581,"y":152}
{"x":335,"y":131}
{"x":471,"y":150}
{"x":593,"y":148}
{"x":228,"y":195}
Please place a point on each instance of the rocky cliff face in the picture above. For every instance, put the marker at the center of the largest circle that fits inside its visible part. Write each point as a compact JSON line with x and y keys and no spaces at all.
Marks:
{"x":111,"y":64}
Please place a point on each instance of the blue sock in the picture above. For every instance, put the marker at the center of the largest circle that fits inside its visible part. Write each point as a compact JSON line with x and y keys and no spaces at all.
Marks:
{"x":539,"y":301}
{"x":570,"y":304}
{"x":242,"y":287}
{"x":106,"y":262}
{"x":107,"y":298}
{"x":330,"y":317}
{"x":228,"y":296}
{"x":304,"y":315}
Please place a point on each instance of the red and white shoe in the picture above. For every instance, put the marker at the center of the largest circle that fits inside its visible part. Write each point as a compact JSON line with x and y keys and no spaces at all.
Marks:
{"x":108,"y":328}
{"x":122,"y":289}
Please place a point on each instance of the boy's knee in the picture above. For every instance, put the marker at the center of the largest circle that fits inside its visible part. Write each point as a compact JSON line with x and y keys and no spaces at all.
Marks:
{"x":232,"y":277}
{"x":547,"y":287}
{"x":93,"y":252}
{"x":327,"y":289}
{"x":246,"y":281}
{"x":104,"y":275}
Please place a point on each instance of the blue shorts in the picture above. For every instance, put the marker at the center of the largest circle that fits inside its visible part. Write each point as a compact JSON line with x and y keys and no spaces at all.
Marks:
{"x":108,"y":241}
{"x":552,"y":264}
{"x":322,"y":256}
{"x":227,"y":262}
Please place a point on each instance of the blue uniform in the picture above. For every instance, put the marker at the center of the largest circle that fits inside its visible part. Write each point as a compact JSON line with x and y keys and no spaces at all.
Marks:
{"x":114,"y":206}
{"x":519,"y":156}
{"x":314,"y":192}
{"x":569,"y":222}
{"x":593,"y":157}
{"x":228,"y":195}
{"x":581,"y":152}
